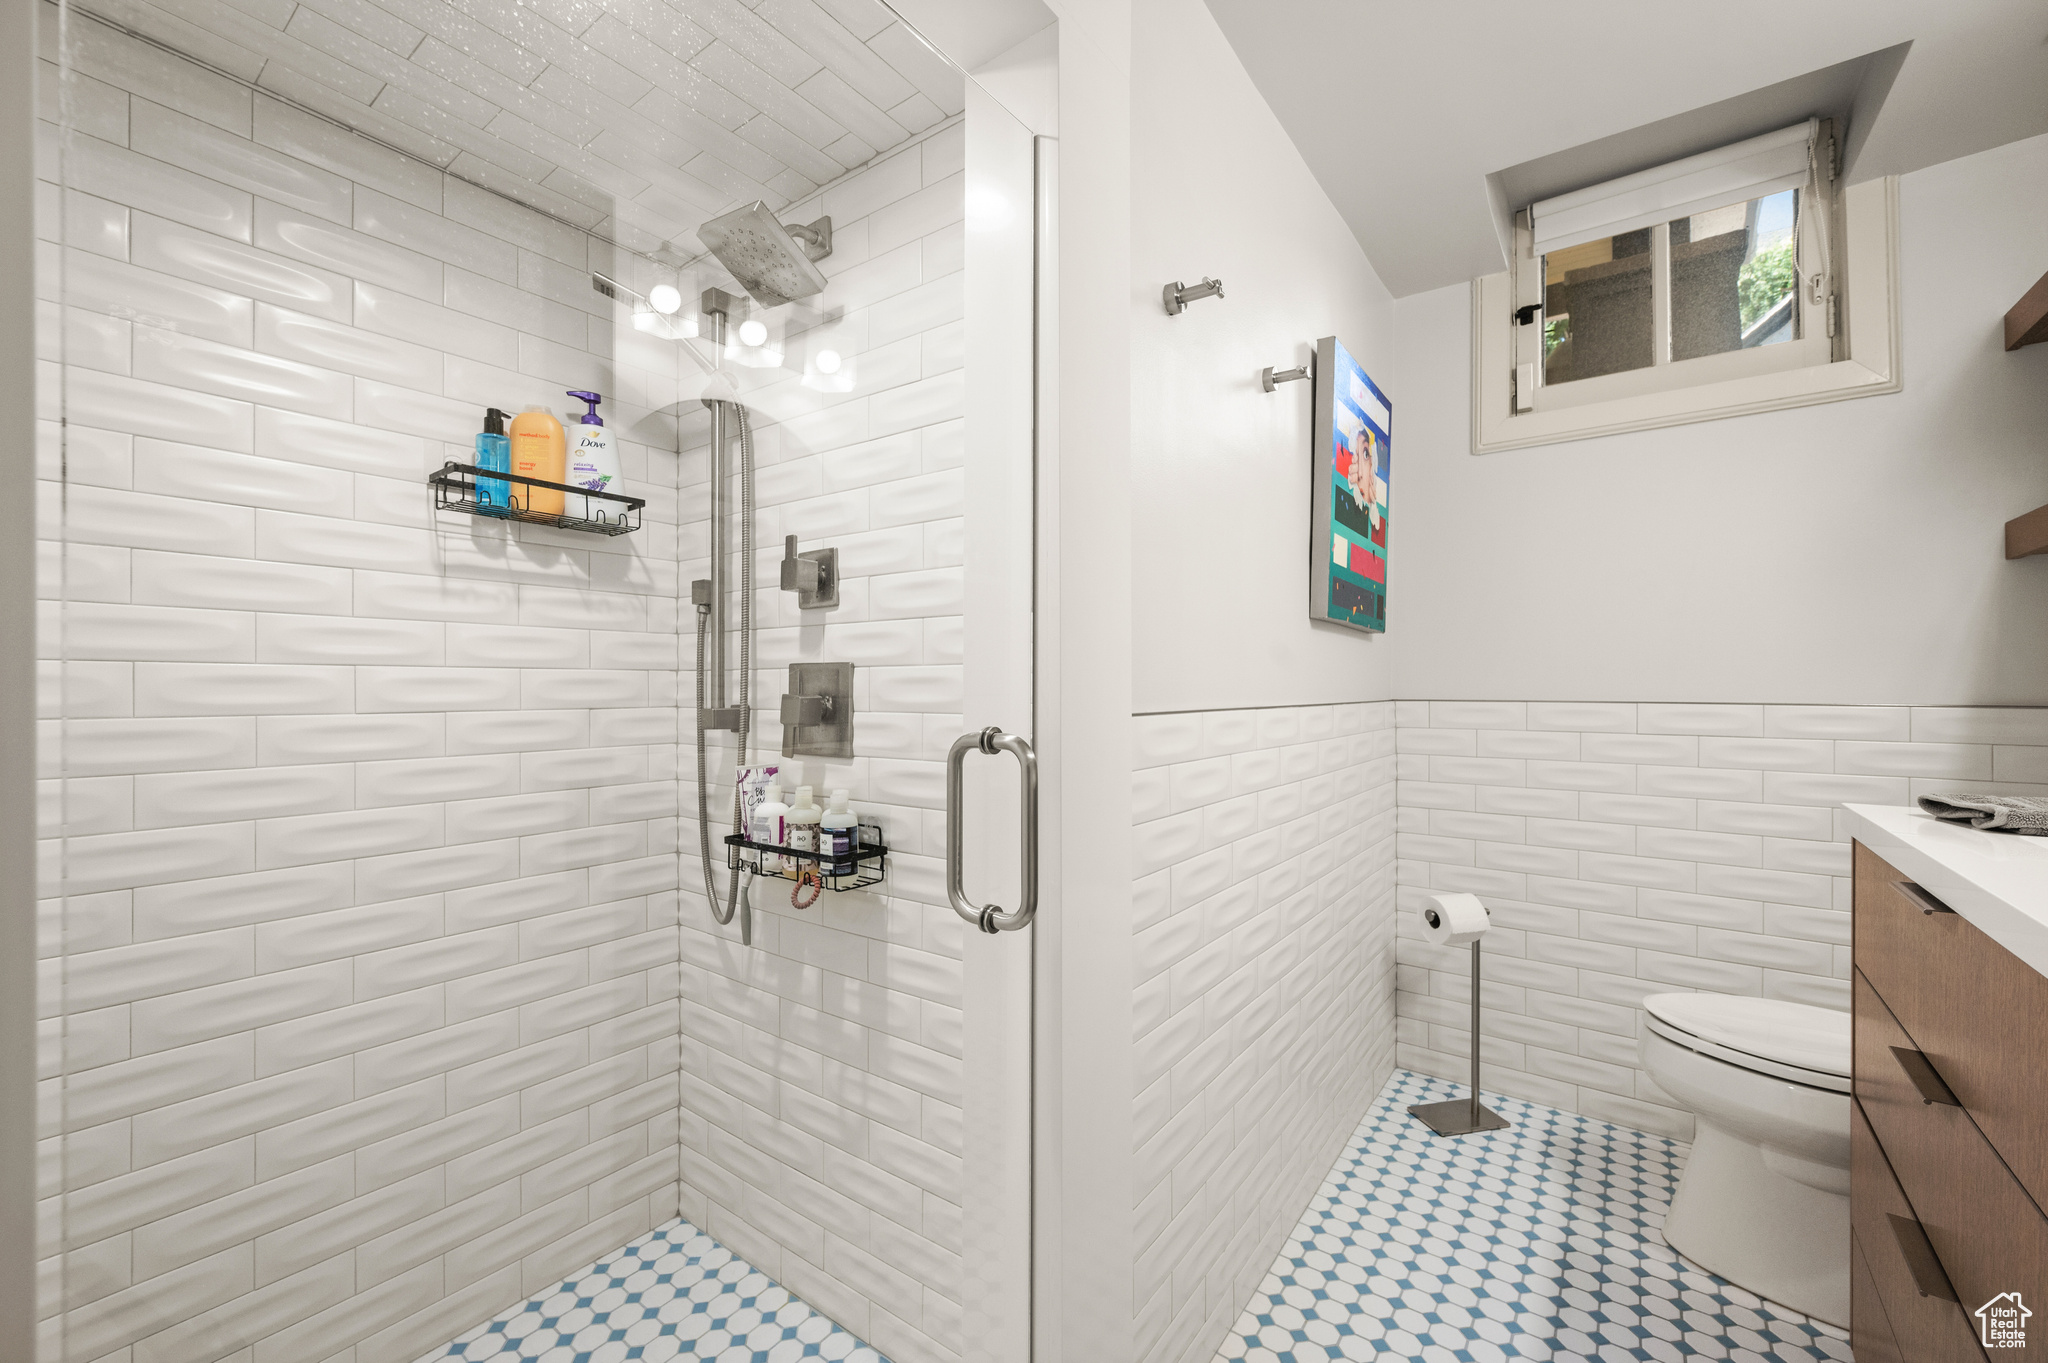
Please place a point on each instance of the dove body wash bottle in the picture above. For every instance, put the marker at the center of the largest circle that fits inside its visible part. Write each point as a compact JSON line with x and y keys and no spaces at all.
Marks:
{"x":593,"y":463}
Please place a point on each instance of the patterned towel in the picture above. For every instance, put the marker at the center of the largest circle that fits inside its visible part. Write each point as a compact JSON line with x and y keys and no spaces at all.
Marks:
{"x":2004,"y":813}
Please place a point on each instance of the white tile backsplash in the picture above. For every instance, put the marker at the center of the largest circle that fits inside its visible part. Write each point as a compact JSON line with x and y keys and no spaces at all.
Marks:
{"x":1263,"y":853}
{"x":1691,"y":847}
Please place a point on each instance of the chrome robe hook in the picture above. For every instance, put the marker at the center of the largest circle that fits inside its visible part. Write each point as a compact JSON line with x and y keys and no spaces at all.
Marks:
{"x":1178,"y":295}
{"x":1271,"y":378}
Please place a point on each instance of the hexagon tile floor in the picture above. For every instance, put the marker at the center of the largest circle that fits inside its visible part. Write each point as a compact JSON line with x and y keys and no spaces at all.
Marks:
{"x":673,"y":1293}
{"x":1538,"y":1242}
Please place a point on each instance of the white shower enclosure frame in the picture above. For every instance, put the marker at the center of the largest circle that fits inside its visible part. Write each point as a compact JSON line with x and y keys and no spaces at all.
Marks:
{"x":18,"y":693}
{"x":1010,"y":178}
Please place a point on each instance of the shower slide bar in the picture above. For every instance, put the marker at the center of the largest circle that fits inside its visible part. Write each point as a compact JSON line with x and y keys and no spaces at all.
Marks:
{"x":992,"y":918}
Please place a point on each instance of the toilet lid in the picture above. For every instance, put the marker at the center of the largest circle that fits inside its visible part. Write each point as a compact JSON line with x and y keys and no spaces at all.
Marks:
{"x":1798,"y":1035}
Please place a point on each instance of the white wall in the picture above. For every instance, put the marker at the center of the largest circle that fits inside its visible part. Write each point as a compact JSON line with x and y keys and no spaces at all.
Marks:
{"x":1260,"y":964}
{"x":364,"y":1025}
{"x":822,"y":1065}
{"x":1850,"y":553}
{"x":1264,"y":1000}
{"x":1220,"y":469}
{"x":1641,"y":670}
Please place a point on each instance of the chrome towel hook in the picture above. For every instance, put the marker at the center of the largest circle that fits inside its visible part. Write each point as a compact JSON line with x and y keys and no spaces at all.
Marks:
{"x":1271,"y":378}
{"x":1178,"y":295}
{"x":992,"y":918}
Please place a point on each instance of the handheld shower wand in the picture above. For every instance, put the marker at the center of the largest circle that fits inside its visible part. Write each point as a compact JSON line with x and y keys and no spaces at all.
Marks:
{"x":775,"y":264}
{"x":710,"y":599}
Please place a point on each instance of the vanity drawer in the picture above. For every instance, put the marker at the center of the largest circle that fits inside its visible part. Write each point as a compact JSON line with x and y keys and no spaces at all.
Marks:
{"x":1978,"y":1012}
{"x":1927,"y":1329}
{"x":1870,"y":1335}
{"x":1988,"y":1234}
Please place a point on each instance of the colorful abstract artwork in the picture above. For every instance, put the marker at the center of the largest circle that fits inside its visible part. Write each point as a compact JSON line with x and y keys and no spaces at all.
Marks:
{"x":1353,"y":463}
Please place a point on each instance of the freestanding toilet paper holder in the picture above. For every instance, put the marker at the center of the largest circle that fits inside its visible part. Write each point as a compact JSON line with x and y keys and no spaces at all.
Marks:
{"x":1462,"y":1116}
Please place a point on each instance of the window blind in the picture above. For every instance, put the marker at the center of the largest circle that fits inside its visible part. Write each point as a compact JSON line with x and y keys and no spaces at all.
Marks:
{"x":1713,"y":179}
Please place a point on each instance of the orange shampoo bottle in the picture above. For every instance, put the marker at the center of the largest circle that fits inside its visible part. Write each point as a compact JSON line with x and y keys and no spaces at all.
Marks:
{"x":539,"y":450}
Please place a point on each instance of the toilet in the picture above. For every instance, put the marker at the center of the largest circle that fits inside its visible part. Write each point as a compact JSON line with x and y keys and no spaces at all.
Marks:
{"x":1764,"y":1199}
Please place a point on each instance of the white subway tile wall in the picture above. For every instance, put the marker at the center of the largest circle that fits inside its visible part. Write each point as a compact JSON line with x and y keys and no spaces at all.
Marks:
{"x":822,"y":1066}
{"x":1631,"y":849}
{"x":1264,"y":1007}
{"x":361,"y":1013}
{"x":361,"y":1022}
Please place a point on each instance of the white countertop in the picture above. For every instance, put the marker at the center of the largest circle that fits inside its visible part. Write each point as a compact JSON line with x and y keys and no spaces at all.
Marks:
{"x":1998,"y":881}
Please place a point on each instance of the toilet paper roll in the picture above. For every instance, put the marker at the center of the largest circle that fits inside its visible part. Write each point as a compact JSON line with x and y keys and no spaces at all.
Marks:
{"x":1454,"y":919}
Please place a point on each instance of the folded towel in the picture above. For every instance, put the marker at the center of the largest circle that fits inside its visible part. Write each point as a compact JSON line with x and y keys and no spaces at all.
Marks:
{"x":2004,"y":813}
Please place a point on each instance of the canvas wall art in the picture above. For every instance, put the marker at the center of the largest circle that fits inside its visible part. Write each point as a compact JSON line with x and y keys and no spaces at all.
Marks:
{"x":1353,"y":463}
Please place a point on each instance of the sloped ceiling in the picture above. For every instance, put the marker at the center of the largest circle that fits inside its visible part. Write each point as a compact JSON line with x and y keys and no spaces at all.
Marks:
{"x":1402,"y":110}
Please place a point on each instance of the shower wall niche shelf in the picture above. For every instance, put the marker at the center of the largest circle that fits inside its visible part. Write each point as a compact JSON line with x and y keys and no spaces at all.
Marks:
{"x":455,"y":490}
{"x":865,"y":867}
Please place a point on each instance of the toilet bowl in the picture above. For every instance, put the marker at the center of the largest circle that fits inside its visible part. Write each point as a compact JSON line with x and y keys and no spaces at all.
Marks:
{"x":1764,"y":1199}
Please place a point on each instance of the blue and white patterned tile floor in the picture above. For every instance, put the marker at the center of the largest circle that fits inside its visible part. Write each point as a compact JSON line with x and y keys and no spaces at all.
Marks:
{"x":1538,"y":1242}
{"x":673,"y":1293}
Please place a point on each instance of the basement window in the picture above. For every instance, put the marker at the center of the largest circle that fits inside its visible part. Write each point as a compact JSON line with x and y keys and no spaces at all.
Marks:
{"x":1729,"y":276}
{"x":1718,"y":284}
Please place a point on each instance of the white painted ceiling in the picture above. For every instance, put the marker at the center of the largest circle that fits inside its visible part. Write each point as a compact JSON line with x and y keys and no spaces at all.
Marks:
{"x":637,"y":119}
{"x":1402,"y":110}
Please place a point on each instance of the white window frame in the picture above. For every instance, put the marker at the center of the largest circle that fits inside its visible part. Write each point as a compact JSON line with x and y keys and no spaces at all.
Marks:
{"x":1860,"y":359}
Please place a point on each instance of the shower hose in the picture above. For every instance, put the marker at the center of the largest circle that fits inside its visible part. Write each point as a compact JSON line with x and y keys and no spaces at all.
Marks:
{"x":735,"y":898}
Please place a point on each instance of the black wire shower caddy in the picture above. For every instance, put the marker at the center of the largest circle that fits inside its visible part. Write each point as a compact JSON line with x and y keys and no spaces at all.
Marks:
{"x":455,"y":489}
{"x":866,"y":865}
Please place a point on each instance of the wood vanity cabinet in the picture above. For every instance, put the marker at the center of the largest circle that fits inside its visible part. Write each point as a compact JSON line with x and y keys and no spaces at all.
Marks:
{"x":1949,"y":1129}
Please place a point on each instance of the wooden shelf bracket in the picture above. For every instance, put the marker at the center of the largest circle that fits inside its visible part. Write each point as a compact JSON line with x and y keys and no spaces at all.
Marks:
{"x":2028,"y":320}
{"x":2028,"y":534}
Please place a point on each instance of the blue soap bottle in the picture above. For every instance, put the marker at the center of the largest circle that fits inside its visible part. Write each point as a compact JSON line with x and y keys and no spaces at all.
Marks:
{"x":493,"y":452}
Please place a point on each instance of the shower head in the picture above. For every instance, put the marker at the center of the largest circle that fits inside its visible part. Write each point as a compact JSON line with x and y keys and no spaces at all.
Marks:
{"x":767,"y":258}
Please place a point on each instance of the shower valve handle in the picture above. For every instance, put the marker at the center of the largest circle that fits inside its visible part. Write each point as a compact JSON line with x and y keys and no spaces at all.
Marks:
{"x":813,"y":575}
{"x":817,"y":711}
{"x":805,"y":711}
{"x":799,"y":574}
{"x":800,"y":713}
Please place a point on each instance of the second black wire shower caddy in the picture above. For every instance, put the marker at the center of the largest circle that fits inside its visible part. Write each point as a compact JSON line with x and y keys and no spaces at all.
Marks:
{"x":866,"y":865}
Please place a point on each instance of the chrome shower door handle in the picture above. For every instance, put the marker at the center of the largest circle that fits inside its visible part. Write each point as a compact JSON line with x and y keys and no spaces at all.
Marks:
{"x":993,"y":918}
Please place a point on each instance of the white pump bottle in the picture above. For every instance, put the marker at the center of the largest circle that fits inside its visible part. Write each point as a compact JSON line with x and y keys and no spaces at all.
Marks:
{"x":593,"y":460}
